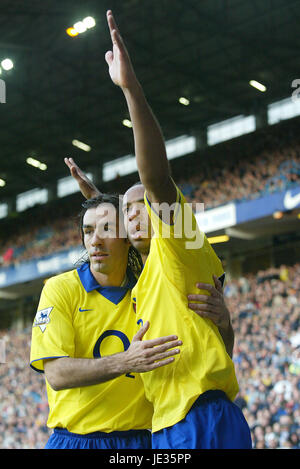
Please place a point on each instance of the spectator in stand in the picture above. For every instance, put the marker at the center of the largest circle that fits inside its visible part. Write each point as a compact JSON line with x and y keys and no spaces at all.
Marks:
{"x":264,"y":351}
{"x":266,"y":356}
{"x":23,"y":402}
{"x":268,"y":164}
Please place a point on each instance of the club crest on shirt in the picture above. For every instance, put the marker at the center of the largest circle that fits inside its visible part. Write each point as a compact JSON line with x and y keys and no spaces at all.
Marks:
{"x":42,"y":318}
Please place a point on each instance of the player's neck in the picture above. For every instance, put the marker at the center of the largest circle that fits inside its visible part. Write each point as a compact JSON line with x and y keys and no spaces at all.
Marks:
{"x":114,"y":279}
{"x":144,"y":258}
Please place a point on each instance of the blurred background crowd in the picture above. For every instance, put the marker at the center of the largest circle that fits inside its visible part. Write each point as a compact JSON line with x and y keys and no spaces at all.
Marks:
{"x":265,"y":310}
{"x":265,"y":306}
{"x":228,"y":161}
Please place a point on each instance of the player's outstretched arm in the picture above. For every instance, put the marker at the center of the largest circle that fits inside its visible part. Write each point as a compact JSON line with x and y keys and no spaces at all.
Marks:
{"x":149,"y":143}
{"x":86,"y":186}
{"x":140,"y":357}
{"x":213,"y":307}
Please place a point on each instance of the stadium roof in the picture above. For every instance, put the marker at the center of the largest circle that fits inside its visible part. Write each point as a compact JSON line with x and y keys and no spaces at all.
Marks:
{"x":59,"y":89}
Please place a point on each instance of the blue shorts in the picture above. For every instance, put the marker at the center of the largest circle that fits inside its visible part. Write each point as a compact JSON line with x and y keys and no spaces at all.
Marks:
{"x":132,"y":439}
{"x":213,"y":422}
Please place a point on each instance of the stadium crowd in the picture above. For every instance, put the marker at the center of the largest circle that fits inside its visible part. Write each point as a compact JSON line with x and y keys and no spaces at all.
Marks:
{"x":265,"y":312}
{"x":254,"y":166}
{"x":266,"y":318}
{"x":23,"y":399}
{"x":248,"y":167}
{"x":243,"y":180}
{"x":265,"y":306}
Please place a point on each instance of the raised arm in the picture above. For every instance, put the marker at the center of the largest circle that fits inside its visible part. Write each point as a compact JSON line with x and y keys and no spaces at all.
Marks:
{"x":152,"y":162}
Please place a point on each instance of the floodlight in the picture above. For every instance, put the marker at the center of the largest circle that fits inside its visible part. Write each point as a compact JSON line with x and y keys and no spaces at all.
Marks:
{"x":127,"y":123}
{"x":36,"y":164}
{"x":80,"y":27}
{"x":218,"y":239}
{"x":81,"y":145}
{"x":72,"y":32}
{"x":89,"y":22}
{"x":257,"y":85}
{"x":7,"y":64}
{"x":184,"y":101}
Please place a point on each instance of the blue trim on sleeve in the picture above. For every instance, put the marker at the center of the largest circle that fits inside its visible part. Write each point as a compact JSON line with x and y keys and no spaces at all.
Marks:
{"x":44,"y":358}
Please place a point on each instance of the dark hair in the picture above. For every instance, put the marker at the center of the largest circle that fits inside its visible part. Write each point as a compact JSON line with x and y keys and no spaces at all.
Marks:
{"x":135,"y":263}
{"x":93,"y":203}
{"x":137,"y":183}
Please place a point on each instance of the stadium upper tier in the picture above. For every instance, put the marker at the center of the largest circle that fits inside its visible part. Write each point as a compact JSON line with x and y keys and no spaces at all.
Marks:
{"x":244,"y":169}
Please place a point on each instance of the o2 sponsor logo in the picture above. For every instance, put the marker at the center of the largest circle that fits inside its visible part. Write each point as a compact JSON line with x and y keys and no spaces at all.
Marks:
{"x":112,"y":332}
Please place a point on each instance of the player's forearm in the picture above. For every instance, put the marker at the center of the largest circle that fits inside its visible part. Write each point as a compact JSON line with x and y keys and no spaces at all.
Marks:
{"x":140,"y":357}
{"x":150,"y":150}
{"x":68,"y":373}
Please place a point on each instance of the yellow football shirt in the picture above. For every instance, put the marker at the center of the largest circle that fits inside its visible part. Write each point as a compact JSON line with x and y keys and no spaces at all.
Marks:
{"x":180,"y":256}
{"x":80,"y":319}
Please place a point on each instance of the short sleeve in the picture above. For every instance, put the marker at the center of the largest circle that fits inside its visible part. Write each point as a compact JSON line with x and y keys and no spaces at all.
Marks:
{"x":52,"y":330}
{"x":175,"y":224}
{"x":176,"y":230}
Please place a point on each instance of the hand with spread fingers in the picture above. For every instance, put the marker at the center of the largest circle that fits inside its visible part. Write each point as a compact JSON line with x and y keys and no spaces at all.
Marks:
{"x":86,"y":186}
{"x":118,"y":60}
{"x":212,"y":306}
{"x":147,"y":355}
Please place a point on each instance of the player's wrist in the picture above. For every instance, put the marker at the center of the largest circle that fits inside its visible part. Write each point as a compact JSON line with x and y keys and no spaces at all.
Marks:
{"x":124,"y":363}
{"x":133,"y":89}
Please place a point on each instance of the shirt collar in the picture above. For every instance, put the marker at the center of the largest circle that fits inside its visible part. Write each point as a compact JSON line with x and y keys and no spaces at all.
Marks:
{"x":113,"y":294}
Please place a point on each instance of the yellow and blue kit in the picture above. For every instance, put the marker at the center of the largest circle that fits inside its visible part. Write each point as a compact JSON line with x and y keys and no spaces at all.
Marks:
{"x":180,"y":256}
{"x":80,"y":319}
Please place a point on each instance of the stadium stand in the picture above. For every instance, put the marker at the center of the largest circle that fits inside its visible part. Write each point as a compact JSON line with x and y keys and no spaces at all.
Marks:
{"x":59,"y":93}
{"x":265,"y":303}
{"x":266,"y":319}
{"x":245,"y":168}
{"x":23,"y":402}
{"x":239,"y":170}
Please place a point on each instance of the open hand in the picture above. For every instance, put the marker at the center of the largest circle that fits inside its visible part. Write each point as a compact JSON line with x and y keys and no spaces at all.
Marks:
{"x":118,"y":60}
{"x":86,"y":186}
{"x":212,"y":306}
{"x":147,"y":355}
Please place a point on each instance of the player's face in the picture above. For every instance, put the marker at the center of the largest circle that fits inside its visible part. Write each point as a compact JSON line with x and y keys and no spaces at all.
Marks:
{"x":105,"y":239}
{"x":136,"y":220}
